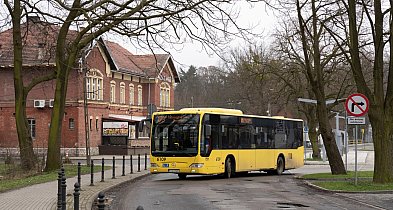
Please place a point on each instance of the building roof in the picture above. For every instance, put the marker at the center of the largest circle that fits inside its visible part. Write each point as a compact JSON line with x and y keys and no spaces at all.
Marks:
{"x":39,"y":48}
{"x":39,"y":43}
{"x":149,"y":66}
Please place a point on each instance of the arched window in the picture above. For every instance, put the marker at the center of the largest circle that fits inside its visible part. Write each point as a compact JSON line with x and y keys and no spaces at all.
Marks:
{"x":139,"y":95}
{"x":113,"y":92}
{"x":132,"y":94}
{"x":122,"y":93}
{"x":165,"y":95}
{"x":94,"y":84}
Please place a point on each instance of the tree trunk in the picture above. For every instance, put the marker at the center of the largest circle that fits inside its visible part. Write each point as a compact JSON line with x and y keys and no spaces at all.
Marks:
{"x":54,"y":157}
{"x":28,"y":158}
{"x":313,"y":136}
{"x":335,"y":161}
{"x":383,"y":146}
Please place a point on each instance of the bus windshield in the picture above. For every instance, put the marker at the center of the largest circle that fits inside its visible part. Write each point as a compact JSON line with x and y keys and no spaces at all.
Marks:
{"x":175,"y":135}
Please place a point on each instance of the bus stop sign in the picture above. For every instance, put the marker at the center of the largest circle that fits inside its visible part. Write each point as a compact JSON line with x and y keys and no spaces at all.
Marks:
{"x":357,"y":104}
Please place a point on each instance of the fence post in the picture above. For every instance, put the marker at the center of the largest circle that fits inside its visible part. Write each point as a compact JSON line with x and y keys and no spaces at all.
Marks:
{"x":79,"y":174}
{"x":63,"y":190}
{"x":101,"y":201}
{"x":113,"y":168}
{"x":59,"y":189}
{"x":92,"y":173}
{"x":102,"y":169}
{"x":131,"y":165}
{"x":124,"y":166}
{"x":139,"y":162}
{"x":76,"y":196}
{"x":145,"y":161}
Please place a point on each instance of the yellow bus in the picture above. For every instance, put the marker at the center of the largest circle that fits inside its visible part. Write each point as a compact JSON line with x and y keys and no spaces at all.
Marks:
{"x":223,"y":141}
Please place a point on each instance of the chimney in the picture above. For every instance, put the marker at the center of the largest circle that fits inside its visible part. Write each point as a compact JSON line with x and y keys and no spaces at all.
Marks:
{"x":33,"y":19}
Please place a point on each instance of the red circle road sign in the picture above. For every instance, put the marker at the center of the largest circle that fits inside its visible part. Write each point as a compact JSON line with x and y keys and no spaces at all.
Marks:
{"x":357,"y":104}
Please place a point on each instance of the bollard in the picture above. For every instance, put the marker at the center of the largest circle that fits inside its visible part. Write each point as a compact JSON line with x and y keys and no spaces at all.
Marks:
{"x":63,"y":190}
{"x":139,"y":162}
{"x":101,"y":201}
{"x":145,"y":161}
{"x":60,"y":176}
{"x":79,"y":174}
{"x":92,"y":173}
{"x":124,"y":165}
{"x":131,"y":165}
{"x":139,"y":208}
{"x":102,"y":169}
{"x":113,"y":168}
{"x":76,"y":195}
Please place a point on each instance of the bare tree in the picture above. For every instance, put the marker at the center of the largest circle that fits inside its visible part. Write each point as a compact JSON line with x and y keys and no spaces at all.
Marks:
{"x":149,"y":23}
{"x":380,"y":90}
{"x":311,"y":33}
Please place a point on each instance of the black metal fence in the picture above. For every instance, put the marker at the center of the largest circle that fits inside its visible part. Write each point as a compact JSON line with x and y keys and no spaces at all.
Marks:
{"x":62,"y":185}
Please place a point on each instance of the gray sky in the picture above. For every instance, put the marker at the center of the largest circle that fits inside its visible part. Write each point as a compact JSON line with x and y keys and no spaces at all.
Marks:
{"x":258,"y":14}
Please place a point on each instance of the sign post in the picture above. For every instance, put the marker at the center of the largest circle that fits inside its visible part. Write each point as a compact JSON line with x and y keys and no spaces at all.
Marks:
{"x":356,"y":105}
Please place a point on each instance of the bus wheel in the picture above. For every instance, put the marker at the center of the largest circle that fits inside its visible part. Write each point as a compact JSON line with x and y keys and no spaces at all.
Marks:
{"x":182,"y":176}
{"x":280,"y":166}
{"x":228,"y":168}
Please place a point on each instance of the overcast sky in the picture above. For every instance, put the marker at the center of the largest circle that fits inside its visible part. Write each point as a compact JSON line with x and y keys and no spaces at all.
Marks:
{"x":258,"y":14}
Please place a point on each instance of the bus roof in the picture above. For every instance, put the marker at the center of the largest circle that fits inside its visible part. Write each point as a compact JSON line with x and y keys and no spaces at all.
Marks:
{"x":222,"y":111}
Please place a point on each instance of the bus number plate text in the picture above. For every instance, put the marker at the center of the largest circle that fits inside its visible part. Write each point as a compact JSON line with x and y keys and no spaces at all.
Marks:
{"x":161,"y":159}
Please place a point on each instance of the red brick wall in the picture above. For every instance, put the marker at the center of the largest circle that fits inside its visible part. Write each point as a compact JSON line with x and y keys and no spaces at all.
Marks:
{"x":71,"y":138}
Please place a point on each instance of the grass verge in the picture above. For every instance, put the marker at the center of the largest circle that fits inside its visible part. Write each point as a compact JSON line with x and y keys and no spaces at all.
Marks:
{"x":347,"y":182}
{"x":362,"y":186}
{"x":15,"y":183}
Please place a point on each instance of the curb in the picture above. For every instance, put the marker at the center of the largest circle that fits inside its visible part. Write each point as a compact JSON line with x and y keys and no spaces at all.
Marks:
{"x":94,"y":201}
{"x":309,"y":184}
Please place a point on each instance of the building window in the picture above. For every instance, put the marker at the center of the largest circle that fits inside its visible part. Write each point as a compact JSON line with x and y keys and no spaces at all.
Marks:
{"x":165,"y":95}
{"x":113,"y":91}
{"x":94,"y":85}
{"x":31,"y":124}
{"x":99,"y":91}
{"x":144,"y":133}
{"x":122,"y":93}
{"x":90,"y":124}
{"x":88,"y":87}
{"x":139,"y":95}
{"x":93,"y":89}
{"x":96,"y":124}
{"x":71,"y":124}
{"x":132,"y":94}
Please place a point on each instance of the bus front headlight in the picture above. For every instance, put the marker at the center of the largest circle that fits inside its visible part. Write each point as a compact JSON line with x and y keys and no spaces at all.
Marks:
{"x":153,"y":165}
{"x":196,"y":165}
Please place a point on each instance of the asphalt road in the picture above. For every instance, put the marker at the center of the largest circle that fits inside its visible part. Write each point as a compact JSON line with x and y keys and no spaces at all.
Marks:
{"x":253,"y":191}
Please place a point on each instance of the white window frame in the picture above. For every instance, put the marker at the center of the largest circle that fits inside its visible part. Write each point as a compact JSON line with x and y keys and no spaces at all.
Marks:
{"x":132,"y":94}
{"x":140,"y":92}
{"x":122,"y":93}
{"x":94,"y":83}
{"x":32,"y":127}
{"x":113,"y":92}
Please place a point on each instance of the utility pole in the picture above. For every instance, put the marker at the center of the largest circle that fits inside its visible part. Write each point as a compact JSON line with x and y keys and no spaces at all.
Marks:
{"x":86,"y":112}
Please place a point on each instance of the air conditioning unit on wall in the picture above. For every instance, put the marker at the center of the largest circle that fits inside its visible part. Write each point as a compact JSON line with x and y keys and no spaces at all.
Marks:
{"x":39,"y":103}
{"x":51,"y":102}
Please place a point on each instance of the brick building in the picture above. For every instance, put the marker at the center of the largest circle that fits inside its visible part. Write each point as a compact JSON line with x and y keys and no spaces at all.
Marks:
{"x":119,"y":86}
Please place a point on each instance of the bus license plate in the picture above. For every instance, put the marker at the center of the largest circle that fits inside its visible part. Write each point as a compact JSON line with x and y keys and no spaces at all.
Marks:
{"x":173,"y":170}
{"x":165,"y":165}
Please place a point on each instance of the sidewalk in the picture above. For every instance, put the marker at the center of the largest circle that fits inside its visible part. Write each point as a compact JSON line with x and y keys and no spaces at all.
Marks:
{"x":44,"y":196}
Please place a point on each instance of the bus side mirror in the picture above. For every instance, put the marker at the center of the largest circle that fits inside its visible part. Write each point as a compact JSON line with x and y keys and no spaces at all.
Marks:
{"x":208,"y":130}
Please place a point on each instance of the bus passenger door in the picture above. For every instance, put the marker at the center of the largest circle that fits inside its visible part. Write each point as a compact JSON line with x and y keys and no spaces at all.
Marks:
{"x":246,"y":148}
